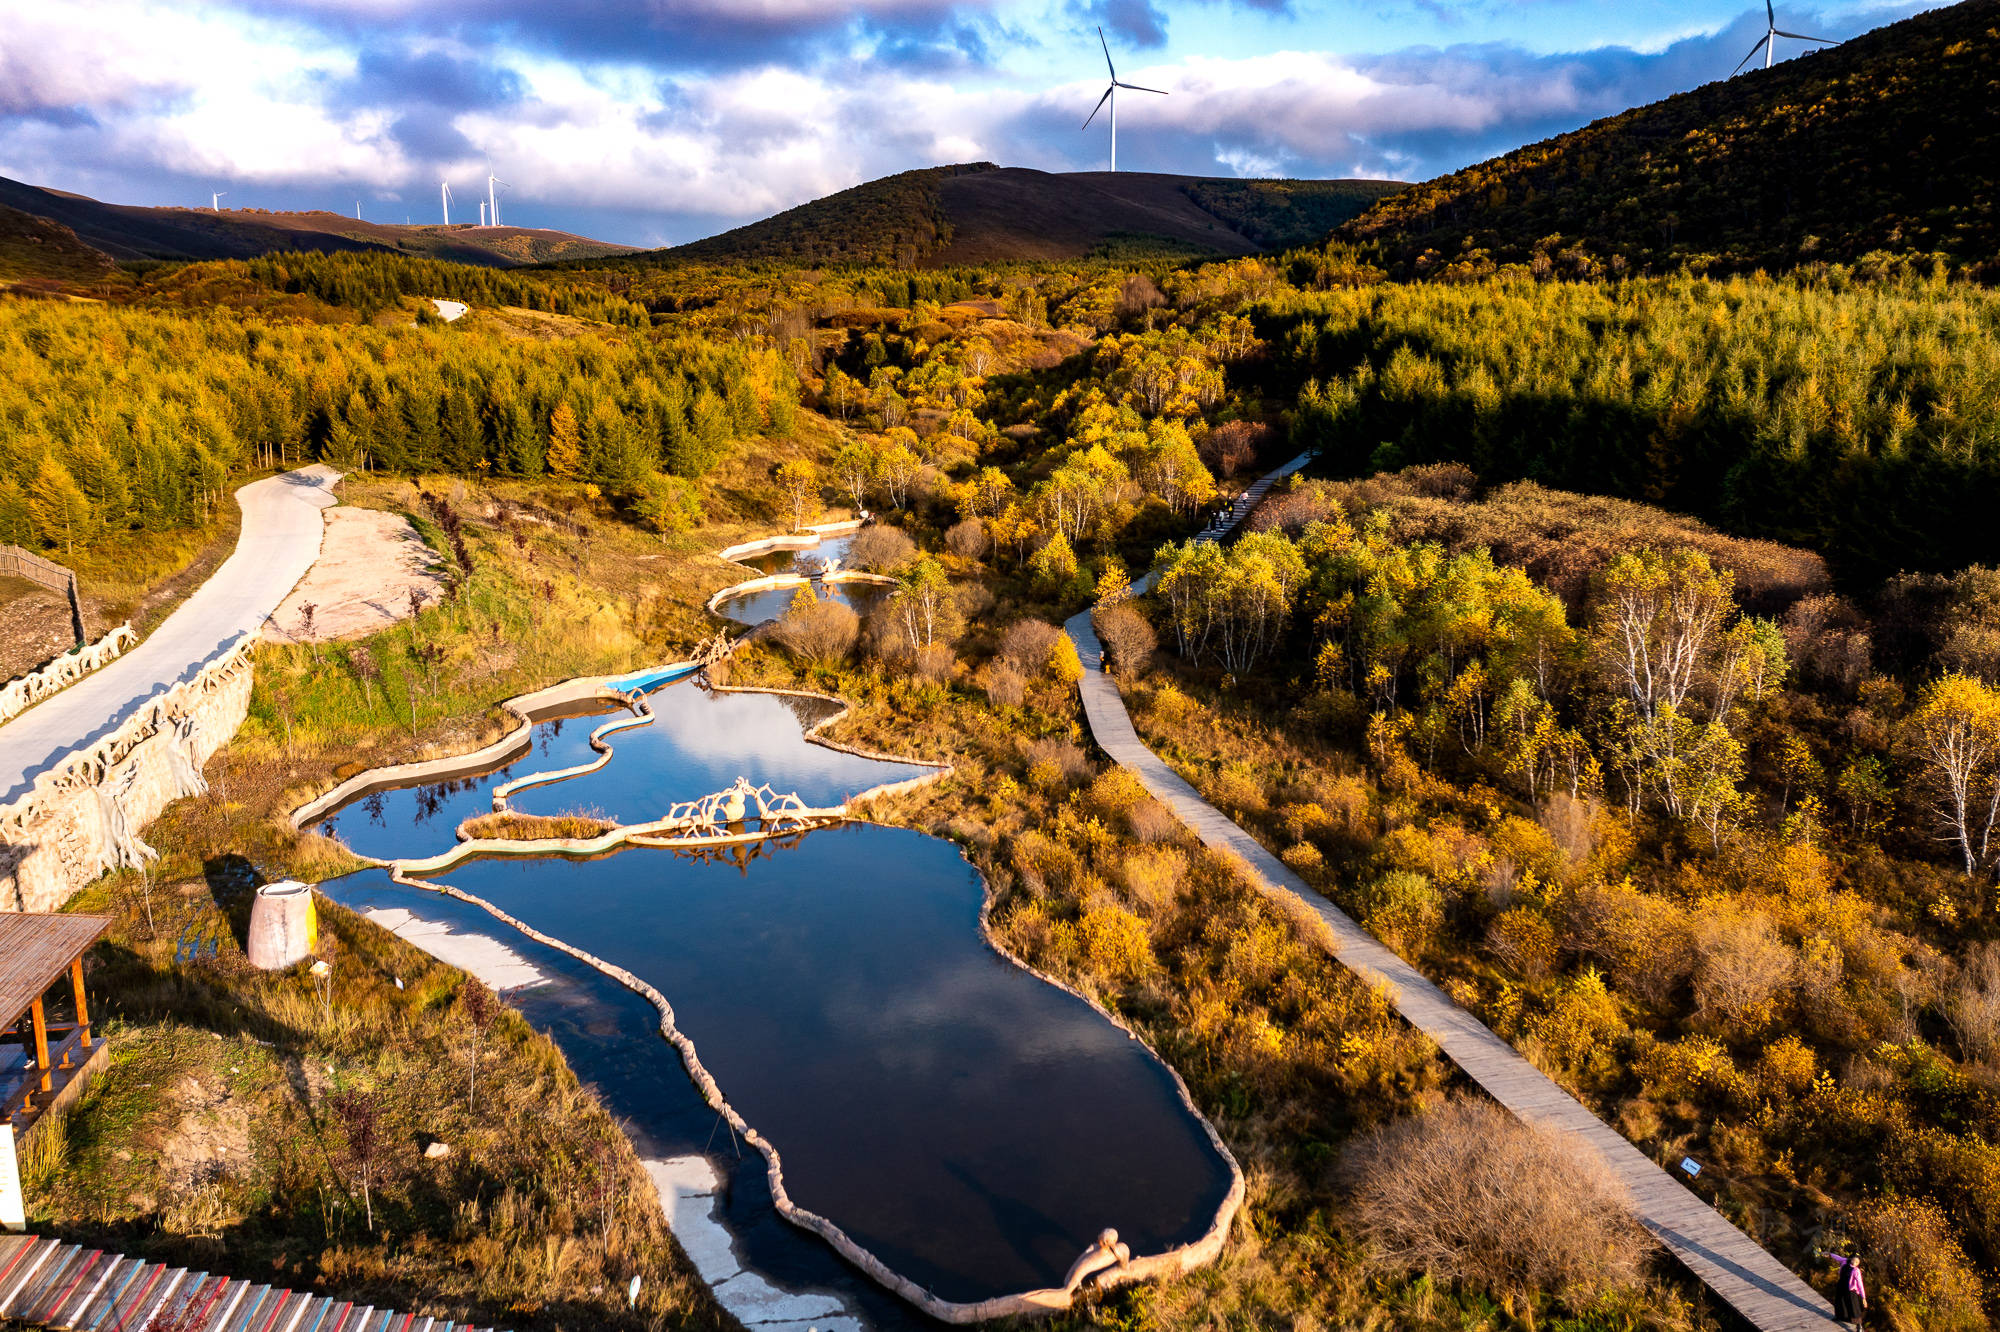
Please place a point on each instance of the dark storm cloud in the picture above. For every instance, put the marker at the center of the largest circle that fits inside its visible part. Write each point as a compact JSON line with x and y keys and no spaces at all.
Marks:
{"x":715,"y":35}
{"x":395,"y":78}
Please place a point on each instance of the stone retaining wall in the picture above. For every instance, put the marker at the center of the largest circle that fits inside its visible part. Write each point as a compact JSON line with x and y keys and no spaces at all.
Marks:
{"x":83,"y":816}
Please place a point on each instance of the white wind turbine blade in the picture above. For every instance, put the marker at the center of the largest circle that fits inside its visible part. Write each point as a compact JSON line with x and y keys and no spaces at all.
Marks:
{"x":1752,"y":56}
{"x":1801,"y":37}
{"x":1099,"y":107}
{"x":1107,"y":55}
{"x":1771,"y":16}
{"x":1136,"y":88}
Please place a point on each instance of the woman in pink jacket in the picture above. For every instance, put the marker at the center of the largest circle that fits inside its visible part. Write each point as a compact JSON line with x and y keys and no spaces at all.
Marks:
{"x":1850,"y":1295}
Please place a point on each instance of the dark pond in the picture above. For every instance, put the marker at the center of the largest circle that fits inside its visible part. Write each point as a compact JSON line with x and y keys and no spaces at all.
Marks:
{"x":698,"y":742}
{"x":772,"y":602}
{"x":611,"y":1037}
{"x":971,"y":1125}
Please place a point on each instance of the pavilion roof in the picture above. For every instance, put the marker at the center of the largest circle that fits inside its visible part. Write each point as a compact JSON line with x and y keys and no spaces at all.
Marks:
{"x":35,"y":952}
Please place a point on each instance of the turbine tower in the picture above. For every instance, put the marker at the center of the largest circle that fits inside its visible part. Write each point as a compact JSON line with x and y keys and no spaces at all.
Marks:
{"x":1768,"y":43}
{"x":1111,"y":96}
{"x":215,"y":204}
{"x":482,"y":212}
{"x":444,"y":189}
{"x":493,"y":198}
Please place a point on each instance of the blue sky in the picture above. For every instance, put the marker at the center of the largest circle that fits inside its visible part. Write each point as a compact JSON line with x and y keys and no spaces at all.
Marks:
{"x":656,"y":121}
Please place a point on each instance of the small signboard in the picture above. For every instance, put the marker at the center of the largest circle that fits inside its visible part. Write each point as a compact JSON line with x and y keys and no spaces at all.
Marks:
{"x":1691,"y":1166}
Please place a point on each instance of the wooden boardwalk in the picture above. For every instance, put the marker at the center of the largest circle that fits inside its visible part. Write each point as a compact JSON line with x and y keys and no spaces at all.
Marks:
{"x":1759,"y":1287}
{"x":47,"y":1283}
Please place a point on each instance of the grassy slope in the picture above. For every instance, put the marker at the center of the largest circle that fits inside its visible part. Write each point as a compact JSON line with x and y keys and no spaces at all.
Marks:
{"x":980,"y":213}
{"x":1887,"y":142}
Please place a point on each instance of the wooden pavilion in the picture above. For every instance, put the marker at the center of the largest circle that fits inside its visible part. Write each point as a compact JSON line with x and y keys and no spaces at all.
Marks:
{"x":43,"y":1064}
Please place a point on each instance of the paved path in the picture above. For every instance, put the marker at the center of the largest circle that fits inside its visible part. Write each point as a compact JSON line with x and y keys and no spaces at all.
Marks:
{"x":449,"y":310}
{"x":1726,"y":1260}
{"x":279,"y":542}
{"x":47,"y":1283}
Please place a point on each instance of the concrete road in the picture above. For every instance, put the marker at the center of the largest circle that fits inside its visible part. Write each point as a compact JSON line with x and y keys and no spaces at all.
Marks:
{"x":280,"y":540}
{"x":449,"y":310}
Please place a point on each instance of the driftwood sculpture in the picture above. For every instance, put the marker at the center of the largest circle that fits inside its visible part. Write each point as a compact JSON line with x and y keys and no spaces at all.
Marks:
{"x":17,"y":696}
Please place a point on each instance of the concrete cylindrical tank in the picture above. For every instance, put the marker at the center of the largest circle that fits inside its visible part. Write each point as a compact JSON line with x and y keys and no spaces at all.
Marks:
{"x":284,"y":927}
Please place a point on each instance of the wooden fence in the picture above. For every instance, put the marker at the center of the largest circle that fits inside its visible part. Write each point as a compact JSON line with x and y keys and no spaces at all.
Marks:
{"x":46,"y":573}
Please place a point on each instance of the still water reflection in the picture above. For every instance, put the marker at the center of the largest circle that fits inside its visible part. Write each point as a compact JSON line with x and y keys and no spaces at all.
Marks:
{"x":971,"y":1125}
{"x":698,"y":742}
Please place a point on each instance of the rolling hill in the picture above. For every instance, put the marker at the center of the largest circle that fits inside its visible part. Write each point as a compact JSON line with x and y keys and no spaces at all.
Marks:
{"x":1888,"y":142}
{"x":128,"y":233}
{"x":980,"y":213}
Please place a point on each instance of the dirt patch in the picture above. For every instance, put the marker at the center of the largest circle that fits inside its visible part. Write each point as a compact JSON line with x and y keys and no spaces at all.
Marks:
{"x":212,"y":1138}
{"x":34,"y":626}
{"x":368,"y":568}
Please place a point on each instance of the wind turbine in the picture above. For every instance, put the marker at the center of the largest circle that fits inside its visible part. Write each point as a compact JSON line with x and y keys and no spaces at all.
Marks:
{"x":492,"y":198}
{"x":444,"y":188}
{"x":215,"y":204}
{"x":1111,"y":96}
{"x":482,"y":212}
{"x":1768,"y":43}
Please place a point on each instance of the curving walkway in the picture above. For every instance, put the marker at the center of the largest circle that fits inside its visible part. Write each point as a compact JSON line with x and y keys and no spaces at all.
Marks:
{"x":1760,"y":1288}
{"x":280,"y":540}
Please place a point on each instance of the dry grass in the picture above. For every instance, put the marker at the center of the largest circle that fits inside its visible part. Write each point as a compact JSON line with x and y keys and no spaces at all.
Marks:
{"x":1467,"y":1192}
{"x":211,"y":1140}
{"x":531,"y":827}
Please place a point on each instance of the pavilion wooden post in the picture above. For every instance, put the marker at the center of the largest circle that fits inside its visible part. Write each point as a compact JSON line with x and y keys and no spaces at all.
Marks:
{"x":42,"y":1043}
{"x":82,"y":1011}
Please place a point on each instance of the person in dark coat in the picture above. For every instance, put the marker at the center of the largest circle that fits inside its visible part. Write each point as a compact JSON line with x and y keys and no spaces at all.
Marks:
{"x":1850,"y":1294}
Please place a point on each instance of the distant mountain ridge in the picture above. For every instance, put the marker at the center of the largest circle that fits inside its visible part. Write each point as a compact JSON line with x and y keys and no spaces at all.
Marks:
{"x":129,"y":233}
{"x":1887,"y":142}
{"x":975,"y":213}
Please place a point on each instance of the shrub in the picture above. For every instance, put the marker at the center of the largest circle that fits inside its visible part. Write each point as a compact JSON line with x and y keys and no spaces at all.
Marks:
{"x":1170,"y":707}
{"x":1469,"y":1193}
{"x":880,"y":549}
{"x":1005,"y":686}
{"x":1234,"y":445}
{"x":1151,"y":821}
{"x":1972,"y":1002}
{"x":1688,"y":1069}
{"x":1524,"y":940}
{"x":1070,"y":763}
{"x":1115,"y":792}
{"x":968,"y":539}
{"x":1929,"y":1282}
{"x":1064,"y":664}
{"x":1741,"y":966}
{"x":1115,"y":942}
{"x":1788,"y":1065}
{"x":820,"y":631}
{"x":1127,"y":637}
{"x":1028,"y":646}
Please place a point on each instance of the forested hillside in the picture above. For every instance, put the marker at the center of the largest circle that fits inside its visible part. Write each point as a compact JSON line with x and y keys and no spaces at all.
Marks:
{"x":978,"y":213}
{"x":1889,"y":142}
{"x":132,"y":233}
{"x":1858,"y":418}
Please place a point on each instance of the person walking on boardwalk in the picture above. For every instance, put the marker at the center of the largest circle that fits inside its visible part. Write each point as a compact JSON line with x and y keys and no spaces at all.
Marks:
{"x":1850,"y":1294}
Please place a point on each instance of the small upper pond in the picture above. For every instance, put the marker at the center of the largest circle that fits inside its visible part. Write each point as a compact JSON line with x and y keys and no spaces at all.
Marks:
{"x":771,"y":603}
{"x":698,"y":742}
{"x":969,"y":1124}
{"x":830,"y":550}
